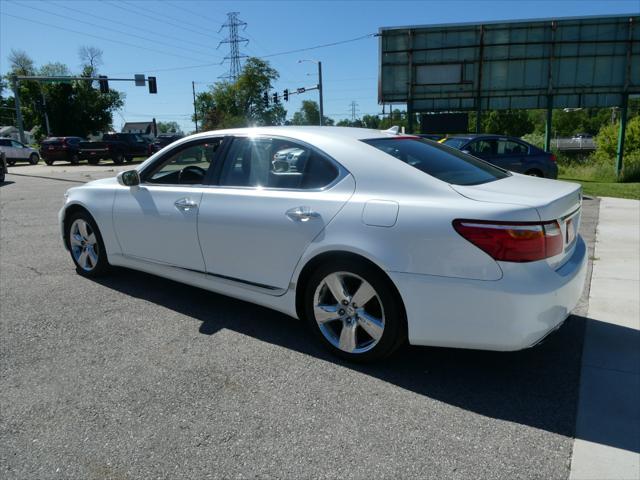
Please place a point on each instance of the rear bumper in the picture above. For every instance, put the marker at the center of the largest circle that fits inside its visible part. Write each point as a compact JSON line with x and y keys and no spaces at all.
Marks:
{"x":517,"y":311}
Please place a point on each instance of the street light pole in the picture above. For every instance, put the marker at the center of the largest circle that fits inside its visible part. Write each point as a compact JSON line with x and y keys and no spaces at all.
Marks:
{"x":320,"y":89}
{"x":195,"y":110}
{"x":16,"y":98}
{"x":321,"y":107}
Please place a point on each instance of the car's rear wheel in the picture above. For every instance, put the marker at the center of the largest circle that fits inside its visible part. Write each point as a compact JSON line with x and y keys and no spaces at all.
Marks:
{"x":48,"y":162}
{"x":94,"y":161}
{"x":534,"y":173}
{"x":354,"y":310}
{"x":86,"y":245}
{"x":118,"y":158}
{"x":34,"y":158}
{"x":75,"y":159}
{"x":11,"y":162}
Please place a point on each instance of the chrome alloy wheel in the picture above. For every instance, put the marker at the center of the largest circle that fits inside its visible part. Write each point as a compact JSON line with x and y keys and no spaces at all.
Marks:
{"x":84,"y":244}
{"x":348,"y":312}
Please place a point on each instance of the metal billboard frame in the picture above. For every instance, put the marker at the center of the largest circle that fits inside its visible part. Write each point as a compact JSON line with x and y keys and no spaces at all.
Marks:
{"x":549,"y":63}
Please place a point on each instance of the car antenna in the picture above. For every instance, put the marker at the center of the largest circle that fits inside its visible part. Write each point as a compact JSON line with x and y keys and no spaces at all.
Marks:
{"x":395,"y":130}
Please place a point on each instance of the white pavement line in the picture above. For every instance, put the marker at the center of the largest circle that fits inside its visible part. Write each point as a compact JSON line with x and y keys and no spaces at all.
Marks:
{"x":607,"y":443}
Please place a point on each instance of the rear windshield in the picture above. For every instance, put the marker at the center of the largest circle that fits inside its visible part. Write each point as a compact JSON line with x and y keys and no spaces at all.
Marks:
{"x":439,"y":161}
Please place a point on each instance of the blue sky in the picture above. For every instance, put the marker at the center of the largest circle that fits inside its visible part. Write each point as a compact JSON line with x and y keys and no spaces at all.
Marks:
{"x":164,"y":38}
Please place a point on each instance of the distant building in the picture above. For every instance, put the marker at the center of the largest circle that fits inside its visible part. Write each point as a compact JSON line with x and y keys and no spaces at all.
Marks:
{"x":143,"y":128}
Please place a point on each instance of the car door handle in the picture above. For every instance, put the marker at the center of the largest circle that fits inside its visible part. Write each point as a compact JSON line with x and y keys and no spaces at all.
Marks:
{"x":185,"y":204}
{"x":301,"y":214}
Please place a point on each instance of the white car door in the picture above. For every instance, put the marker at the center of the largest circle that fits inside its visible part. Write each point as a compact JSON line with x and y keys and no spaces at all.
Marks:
{"x":156,"y":221}
{"x":257,"y":222}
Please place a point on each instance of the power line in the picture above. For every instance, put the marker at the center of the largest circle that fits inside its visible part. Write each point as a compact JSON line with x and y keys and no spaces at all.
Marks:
{"x":332,"y":44}
{"x":203,"y":65}
{"x":67,"y":16}
{"x":93,"y":36}
{"x":234,"y":40}
{"x":155,"y":18}
{"x":137,"y":27}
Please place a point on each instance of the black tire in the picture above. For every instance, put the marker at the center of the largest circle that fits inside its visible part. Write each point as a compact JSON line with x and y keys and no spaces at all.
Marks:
{"x":75,"y":159}
{"x":11,"y":162}
{"x":93,"y":161}
{"x":534,"y":173}
{"x":1,"y":176}
{"x":128,"y":159}
{"x":48,"y":162}
{"x":395,"y":325}
{"x":34,"y":158}
{"x":118,"y":158}
{"x":102,"y":265}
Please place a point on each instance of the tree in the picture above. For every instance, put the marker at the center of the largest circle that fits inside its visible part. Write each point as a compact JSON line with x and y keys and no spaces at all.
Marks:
{"x":309,"y":114}
{"x":169,"y":127}
{"x":241,"y":103}
{"x":73,"y":107}
{"x":90,"y":57}
{"x":507,"y":122}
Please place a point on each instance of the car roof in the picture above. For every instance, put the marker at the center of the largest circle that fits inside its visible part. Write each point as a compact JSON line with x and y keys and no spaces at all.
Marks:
{"x":300,"y":132}
{"x":470,"y":136}
{"x":371,"y":166}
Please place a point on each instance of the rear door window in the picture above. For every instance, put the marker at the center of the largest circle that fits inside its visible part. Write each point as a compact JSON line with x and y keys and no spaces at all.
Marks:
{"x":440,"y":161}
{"x":276,"y":163}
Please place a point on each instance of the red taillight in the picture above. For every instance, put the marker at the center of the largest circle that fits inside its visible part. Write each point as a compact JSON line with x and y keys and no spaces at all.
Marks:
{"x":553,"y":158}
{"x":513,"y":241}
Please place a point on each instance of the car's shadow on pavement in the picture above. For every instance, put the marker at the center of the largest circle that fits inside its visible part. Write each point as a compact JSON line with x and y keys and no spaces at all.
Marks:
{"x":537,"y":387}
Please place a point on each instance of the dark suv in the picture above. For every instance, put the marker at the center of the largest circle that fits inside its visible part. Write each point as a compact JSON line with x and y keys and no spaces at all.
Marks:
{"x":510,"y":153}
{"x":60,"y":149}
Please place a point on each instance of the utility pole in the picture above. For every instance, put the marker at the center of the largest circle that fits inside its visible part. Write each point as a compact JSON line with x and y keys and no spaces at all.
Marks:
{"x":46,"y":115}
{"x":234,"y":40}
{"x":16,"y":98}
{"x":195,"y":110}
{"x":320,"y":91}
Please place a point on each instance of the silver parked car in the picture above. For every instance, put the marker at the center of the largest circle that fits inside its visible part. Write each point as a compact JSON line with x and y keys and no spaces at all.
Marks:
{"x":15,"y":151}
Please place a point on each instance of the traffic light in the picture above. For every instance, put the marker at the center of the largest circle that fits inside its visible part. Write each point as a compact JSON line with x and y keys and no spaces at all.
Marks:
{"x":104,"y":84}
{"x":275,"y":98}
{"x":285,"y":95}
{"x":265,"y":98}
{"x":153,"y":87}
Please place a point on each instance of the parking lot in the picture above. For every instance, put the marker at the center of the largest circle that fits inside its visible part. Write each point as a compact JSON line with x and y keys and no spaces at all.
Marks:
{"x":134,"y":376}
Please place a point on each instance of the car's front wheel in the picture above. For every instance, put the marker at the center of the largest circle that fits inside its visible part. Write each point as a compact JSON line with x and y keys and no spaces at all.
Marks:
{"x":34,"y":158}
{"x":75,"y":159}
{"x":354,"y":310}
{"x":86,"y":245}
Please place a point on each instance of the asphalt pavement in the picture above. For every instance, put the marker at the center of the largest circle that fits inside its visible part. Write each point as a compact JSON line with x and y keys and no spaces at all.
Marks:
{"x":134,"y":376}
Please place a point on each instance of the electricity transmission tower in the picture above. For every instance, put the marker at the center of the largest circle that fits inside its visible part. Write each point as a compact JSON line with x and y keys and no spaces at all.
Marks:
{"x":234,"y":40}
{"x":354,"y":110}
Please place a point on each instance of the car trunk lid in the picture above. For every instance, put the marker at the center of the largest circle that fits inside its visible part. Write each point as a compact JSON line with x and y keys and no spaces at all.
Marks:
{"x":552,"y":199}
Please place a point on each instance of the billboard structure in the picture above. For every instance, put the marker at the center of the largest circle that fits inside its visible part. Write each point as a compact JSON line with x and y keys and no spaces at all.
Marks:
{"x":532,"y":64}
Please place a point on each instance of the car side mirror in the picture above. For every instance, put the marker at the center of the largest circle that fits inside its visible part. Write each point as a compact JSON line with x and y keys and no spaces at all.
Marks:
{"x":130,"y":178}
{"x":466,"y":151}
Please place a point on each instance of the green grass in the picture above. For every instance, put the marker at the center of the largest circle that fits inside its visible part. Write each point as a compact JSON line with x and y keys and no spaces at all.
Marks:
{"x":606,"y":189}
{"x":599,"y":181}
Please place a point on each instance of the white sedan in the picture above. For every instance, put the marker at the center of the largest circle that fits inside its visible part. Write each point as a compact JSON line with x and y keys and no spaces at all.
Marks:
{"x":373,"y":239}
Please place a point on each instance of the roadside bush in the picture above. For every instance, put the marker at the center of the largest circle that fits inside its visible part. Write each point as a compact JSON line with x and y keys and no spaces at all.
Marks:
{"x":607,"y":145}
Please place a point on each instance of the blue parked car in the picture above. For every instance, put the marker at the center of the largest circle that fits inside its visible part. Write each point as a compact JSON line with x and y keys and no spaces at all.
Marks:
{"x":510,"y":153}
